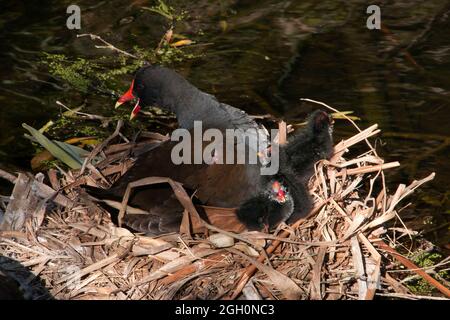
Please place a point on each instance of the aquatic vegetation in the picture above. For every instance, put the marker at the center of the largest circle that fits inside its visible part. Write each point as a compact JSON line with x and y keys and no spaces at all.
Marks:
{"x":167,"y":11}
{"x":103,"y":74}
{"x":80,"y":74}
{"x":427,"y":260}
{"x":71,"y":155}
{"x":75,"y":73}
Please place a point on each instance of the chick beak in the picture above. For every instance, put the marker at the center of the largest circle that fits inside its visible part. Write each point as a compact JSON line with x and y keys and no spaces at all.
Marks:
{"x":127,"y":96}
{"x":281,"y":196}
{"x":135,"y":110}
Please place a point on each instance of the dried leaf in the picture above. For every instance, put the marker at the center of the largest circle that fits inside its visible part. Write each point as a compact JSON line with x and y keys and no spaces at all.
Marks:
{"x":283,"y":283}
{"x":180,"y":43}
{"x":224,"y":218}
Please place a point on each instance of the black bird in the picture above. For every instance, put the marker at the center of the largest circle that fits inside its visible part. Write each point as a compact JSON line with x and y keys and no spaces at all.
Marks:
{"x":275,"y":204}
{"x":309,"y":145}
{"x":159,"y":86}
{"x":297,"y":159}
{"x":221,"y":185}
{"x":263,"y":201}
{"x":155,"y":85}
{"x":239,"y":185}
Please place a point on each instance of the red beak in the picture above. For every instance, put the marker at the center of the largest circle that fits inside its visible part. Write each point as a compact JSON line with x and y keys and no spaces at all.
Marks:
{"x":281,"y":196}
{"x":127,"y":96}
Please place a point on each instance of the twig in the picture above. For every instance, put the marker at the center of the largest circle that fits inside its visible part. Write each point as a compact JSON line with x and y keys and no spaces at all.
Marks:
{"x":368,"y":169}
{"x":383,"y":179}
{"x":107,"y":45}
{"x":7,"y":176}
{"x":100,"y":146}
{"x":86,"y":115}
{"x":409,"y":296}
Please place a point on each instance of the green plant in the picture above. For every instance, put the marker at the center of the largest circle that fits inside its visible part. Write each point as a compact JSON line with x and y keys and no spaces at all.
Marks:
{"x":75,"y":73}
{"x":426,"y":260}
{"x":167,"y":11}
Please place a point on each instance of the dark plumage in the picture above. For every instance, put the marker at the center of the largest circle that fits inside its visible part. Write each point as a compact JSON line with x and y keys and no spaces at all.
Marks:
{"x":159,"y":86}
{"x":237,"y":185}
{"x":218,"y":185}
{"x":266,"y":210}
{"x":162,"y":87}
{"x":9,"y":288}
{"x":297,"y":159}
{"x":309,"y":145}
{"x":228,"y":185}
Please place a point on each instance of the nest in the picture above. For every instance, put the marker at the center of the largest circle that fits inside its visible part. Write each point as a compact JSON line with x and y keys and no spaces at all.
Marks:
{"x":339,"y":251}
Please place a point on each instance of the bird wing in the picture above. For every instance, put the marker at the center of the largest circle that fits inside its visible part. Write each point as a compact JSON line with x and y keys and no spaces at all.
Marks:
{"x":225,"y":185}
{"x":216,"y":184}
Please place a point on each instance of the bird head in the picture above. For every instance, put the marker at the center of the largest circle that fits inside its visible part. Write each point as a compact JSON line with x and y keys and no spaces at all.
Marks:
{"x":267,"y":209}
{"x":320,"y":122}
{"x":279,"y":192}
{"x":153,"y":86}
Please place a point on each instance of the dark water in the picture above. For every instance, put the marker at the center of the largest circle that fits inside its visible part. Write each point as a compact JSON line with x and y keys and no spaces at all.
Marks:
{"x":263,"y":56}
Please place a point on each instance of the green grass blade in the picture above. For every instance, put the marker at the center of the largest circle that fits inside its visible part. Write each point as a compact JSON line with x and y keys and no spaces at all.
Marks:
{"x":70,"y":158}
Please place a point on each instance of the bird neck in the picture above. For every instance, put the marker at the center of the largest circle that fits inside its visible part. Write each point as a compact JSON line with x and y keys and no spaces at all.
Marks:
{"x":187,"y":102}
{"x":197,"y":106}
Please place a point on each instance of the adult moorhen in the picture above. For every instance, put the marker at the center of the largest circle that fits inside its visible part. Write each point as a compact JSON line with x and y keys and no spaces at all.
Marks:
{"x":159,"y":86}
{"x":221,"y":185}
{"x":263,"y":201}
{"x":155,"y":85}
{"x":238,"y":185}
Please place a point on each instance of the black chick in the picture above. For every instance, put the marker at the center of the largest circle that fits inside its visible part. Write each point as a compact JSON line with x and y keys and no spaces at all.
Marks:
{"x":309,"y":145}
{"x":279,"y":202}
{"x":297,"y":159}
